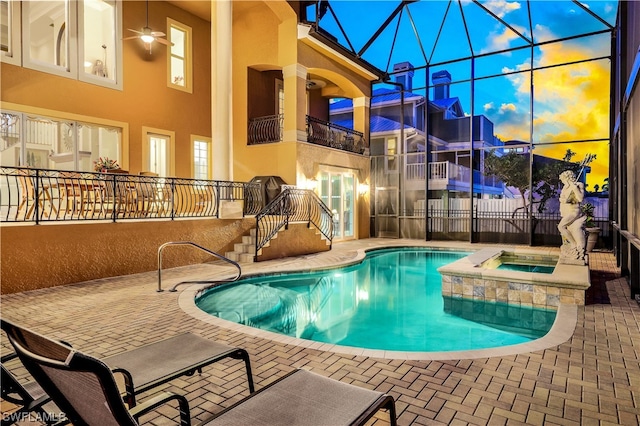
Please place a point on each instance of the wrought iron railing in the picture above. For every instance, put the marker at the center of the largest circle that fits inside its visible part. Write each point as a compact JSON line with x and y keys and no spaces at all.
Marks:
{"x":293,"y":205}
{"x":265,"y":129}
{"x":335,"y":136}
{"x":269,"y":129}
{"x":39,"y":195}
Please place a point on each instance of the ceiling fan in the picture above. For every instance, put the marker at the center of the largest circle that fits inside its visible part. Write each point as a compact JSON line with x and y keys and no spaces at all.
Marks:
{"x":147,"y":35}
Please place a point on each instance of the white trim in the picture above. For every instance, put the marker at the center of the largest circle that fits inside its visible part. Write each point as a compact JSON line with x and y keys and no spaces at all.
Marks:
{"x":70,"y":20}
{"x":115,"y":81}
{"x":14,"y":55}
{"x":187,"y":58}
{"x":171,"y":149}
{"x":296,"y":70}
{"x":303,"y":34}
{"x":73,"y":33}
{"x":60,"y":115}
{"x":209,"y":142}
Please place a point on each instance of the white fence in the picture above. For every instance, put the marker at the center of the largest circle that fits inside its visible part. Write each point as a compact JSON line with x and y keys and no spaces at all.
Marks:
{"x":502,"y":206}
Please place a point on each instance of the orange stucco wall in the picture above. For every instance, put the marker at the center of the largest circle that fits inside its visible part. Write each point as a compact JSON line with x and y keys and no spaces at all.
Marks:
{"x":145,"y":101}
{"x":48,"y":255}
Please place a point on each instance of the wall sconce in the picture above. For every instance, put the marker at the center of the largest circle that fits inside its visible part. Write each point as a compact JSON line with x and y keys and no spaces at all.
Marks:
{"x":363,"y":189}
{"x":311,"y":184}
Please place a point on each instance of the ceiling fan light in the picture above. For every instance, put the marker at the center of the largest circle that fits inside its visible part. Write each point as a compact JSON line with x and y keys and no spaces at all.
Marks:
{"x":147,"y":38}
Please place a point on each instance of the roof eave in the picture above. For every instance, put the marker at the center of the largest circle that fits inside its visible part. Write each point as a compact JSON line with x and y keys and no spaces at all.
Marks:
{"x":318,"y":41}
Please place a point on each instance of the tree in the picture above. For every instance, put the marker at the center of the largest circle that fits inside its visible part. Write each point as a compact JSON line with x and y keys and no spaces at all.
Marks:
{"x":513,"y":169}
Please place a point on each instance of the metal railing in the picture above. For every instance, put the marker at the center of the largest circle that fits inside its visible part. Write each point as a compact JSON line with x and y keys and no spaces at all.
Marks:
{"x":211,"y":252}
{"x":269,"y":129}
{"x":293,"y":205}
{"x":332,"y":135}
{"x":266,"y":129}
{"x":40,"y":195}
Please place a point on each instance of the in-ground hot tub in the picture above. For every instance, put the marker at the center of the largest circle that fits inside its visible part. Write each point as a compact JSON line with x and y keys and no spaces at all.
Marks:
{"x":540,"y":281}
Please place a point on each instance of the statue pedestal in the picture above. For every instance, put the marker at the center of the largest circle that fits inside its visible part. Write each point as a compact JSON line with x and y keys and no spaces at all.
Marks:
{"x":571,"y":255}
{"x":573,"y":261}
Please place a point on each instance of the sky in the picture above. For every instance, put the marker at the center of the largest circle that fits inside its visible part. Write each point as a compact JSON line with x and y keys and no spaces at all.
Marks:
{"x":570,"y":102}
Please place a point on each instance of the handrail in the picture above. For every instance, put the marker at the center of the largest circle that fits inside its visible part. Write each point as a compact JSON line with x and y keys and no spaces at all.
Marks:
{"x":292,"y":205}
{"x":213,"y":253}
{"x":39,"y":195}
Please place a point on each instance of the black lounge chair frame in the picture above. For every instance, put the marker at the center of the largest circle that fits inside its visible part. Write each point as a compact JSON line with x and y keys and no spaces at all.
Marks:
{"x":85,"y":388}
{"x":28,"y":396}
{"x":160,"y":362}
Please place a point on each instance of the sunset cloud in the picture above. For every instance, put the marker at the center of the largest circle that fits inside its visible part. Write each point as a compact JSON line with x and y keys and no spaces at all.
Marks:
{"x":571,"y":103}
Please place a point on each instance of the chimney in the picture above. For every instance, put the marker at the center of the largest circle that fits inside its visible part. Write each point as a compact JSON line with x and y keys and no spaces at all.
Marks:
{"x":441,"y":82}
{"x":403,"y":73}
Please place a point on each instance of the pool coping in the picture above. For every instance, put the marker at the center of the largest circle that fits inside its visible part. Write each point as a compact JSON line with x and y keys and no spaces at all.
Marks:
{"x":561,"y":331}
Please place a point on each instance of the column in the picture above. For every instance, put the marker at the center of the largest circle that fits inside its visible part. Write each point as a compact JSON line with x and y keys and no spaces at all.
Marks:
{"x":221,"y":89}
{"x":361,"y":116}
{"x":295,"y":102}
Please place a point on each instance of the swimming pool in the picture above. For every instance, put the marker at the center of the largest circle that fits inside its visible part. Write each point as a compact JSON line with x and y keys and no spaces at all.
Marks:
{"x":391,"y":300}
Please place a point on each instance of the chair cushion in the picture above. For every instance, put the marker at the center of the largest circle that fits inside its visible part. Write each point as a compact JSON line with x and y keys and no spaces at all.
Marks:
{"x":302,"y":398}
{"x":166,"y":359}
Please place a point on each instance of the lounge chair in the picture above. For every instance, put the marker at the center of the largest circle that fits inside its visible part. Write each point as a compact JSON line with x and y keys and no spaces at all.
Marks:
{"x":85,"y":388}
{"x":31,"y":400}
{"x":157,"y":363}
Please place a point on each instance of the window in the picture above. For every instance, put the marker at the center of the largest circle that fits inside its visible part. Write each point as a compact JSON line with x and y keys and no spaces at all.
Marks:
{"x":74,"y":39}
{"x":201,"y":158}
{"x":45,"y":142}
{"x":179,"y":59}
{"x":10,"y":32}
{"x":159,"y":151}
{"x":279,"y":96}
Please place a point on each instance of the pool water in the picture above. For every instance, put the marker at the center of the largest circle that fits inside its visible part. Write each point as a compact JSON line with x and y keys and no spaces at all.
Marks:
{"x":391,"y":301}
{"x":540,"y":269}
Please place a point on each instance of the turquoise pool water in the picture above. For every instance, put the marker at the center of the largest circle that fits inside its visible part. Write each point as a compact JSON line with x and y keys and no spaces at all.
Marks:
{"x":392,"y":301}
{"x":541,"y":269}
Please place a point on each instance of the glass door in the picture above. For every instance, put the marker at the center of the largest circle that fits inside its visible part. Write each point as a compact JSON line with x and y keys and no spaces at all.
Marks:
{"x":337,"y":191}
{"x":158,"y":155}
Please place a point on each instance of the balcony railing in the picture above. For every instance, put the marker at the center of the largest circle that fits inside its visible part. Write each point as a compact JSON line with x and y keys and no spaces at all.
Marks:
{"x":270,"y":129}
{"x":38,"y":195}
{"x":266,"y":129}
{"x":449,"y":173}
{"x":332,"y":135}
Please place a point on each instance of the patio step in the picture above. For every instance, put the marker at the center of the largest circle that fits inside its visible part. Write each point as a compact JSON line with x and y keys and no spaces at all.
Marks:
{"x":244,"y":252}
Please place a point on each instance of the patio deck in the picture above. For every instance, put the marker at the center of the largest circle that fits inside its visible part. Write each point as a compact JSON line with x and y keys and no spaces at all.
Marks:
{"x":592,"y":378}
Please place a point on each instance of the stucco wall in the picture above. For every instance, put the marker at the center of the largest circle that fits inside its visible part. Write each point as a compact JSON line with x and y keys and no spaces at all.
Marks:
{"x":312,"y":157}
{"x":145,"y":99}
{"x":295,"y":241}
{"x":48,"y":255}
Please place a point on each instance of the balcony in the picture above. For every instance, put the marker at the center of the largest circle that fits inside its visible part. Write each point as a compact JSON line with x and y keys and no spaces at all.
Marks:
{"x":269,"y":129}
{"x":444,"y":175}
{"x":39,"y":195}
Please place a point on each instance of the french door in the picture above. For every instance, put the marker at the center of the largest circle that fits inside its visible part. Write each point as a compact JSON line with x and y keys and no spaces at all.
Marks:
{"x":337,"y":191}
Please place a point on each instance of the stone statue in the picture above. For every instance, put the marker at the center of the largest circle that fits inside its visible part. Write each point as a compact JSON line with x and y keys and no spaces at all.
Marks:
{"x":572,"y":250}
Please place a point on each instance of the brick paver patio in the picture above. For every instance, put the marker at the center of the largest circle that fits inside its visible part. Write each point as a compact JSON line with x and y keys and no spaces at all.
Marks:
{"x":593,"y":378}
